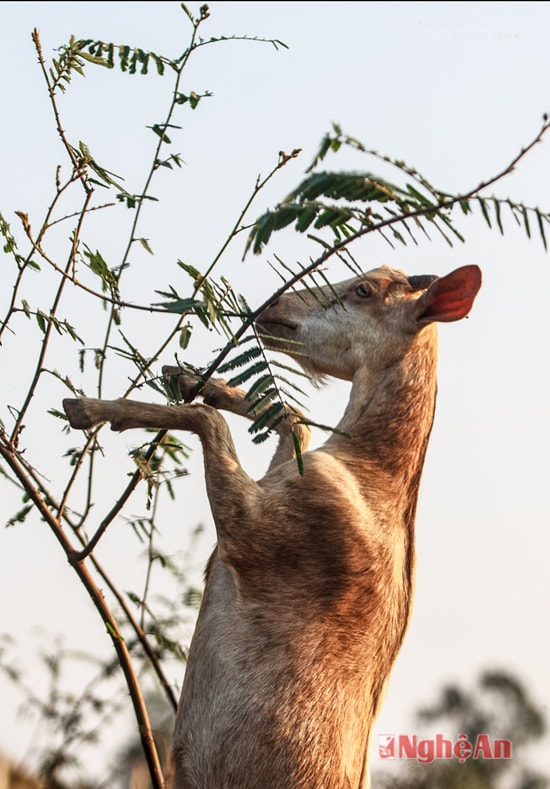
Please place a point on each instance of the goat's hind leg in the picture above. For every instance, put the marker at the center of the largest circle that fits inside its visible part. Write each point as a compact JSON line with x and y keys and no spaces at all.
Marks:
{"x":217,"y":393}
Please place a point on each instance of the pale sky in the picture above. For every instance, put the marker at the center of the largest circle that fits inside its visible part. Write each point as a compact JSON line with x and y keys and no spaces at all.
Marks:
{"x":455,"y":89}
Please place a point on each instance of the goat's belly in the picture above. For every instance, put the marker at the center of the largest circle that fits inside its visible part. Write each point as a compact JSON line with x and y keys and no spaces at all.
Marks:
{"x":261,"y":708}
{"x":261,"y":730}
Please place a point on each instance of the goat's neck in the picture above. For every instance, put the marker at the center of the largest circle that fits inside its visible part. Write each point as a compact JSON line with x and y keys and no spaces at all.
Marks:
{"x":388,"y":420}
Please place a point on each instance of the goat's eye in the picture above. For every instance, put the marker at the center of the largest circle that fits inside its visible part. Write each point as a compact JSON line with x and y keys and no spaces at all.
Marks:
{"x":363,"y":290}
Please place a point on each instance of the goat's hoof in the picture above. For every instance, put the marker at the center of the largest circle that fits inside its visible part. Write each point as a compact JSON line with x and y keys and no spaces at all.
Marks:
{"x":76,"y":413}
{"x":187,"y":381}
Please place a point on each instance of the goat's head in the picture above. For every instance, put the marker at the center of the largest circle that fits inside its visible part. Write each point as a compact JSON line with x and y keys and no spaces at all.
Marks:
{"x":367,"y":320}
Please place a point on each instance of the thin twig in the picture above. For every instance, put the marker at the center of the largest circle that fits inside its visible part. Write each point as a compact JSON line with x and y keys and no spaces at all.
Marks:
{"x":125,"y":660}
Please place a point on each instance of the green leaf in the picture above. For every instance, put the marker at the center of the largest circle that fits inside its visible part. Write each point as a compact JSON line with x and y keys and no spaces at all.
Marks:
{"x":97,"y":264}
{"x":540,"y":218}
{"x":294,"y":370}
{"x":143,"y":58}
{"x":269,"y":418}
{"x":398,"y":236}
{"x":145,"y":244}
{"x":180,"y":305}
{"x":324,"y":148}
{"x":193,"y":272}
{"x":124,"y":53}
{"x":185,"y":336}
{"x":262,"y":402}
{"x":19,"y":516}
{"x":40,"y":319}
{"x":241,"y":359}
{"x":496,"y":205}
{"x":484,"y":211}
{"x":423,"y":200}
{"x":98,"y":61}
{"x":526,"y":221}
{"x":362,"y":187}
{"x":259,"y":438}
{"x":134,"y":598}
{"x":259,"y":367}
{"x":307,"y":216}
{"x":158,"y":63}
{"x":160,"y":130}
{"x":259,"y":386}
{"x":514,"y":210}
{"x":333,"y":217}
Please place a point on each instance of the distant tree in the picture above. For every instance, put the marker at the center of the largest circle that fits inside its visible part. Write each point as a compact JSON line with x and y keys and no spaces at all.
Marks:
{"x":497,"y":708}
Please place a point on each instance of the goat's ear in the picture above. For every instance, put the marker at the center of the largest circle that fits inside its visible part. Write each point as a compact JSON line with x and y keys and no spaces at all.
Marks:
{"x":449,"y":298}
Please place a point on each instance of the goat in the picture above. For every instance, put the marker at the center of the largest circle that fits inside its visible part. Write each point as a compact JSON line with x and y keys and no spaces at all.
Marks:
{"x":308,"y":591}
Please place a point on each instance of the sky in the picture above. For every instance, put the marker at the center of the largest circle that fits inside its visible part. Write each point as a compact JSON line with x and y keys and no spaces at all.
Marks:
{"x":455,"y":89}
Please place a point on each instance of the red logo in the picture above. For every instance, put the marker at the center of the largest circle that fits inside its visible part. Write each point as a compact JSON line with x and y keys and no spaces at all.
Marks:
{"x":425,"y":751}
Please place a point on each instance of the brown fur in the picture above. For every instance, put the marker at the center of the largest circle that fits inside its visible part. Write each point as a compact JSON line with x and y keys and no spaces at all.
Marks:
{"x":308,"y":593}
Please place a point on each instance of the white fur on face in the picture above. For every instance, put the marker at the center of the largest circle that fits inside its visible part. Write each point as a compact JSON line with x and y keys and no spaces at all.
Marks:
{"x":335,"y":330}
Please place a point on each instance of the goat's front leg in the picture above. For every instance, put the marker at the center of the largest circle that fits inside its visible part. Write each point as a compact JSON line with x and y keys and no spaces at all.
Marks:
{"x":232,"y":493}
{"x":217,"y":393}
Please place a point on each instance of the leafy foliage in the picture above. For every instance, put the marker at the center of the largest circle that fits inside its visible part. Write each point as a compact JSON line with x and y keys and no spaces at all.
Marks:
{"x":396,"y":212}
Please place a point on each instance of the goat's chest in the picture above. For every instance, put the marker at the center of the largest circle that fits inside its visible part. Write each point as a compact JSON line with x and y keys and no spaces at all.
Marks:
{"x":310,"y":566}
{"x":317,"y":535}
